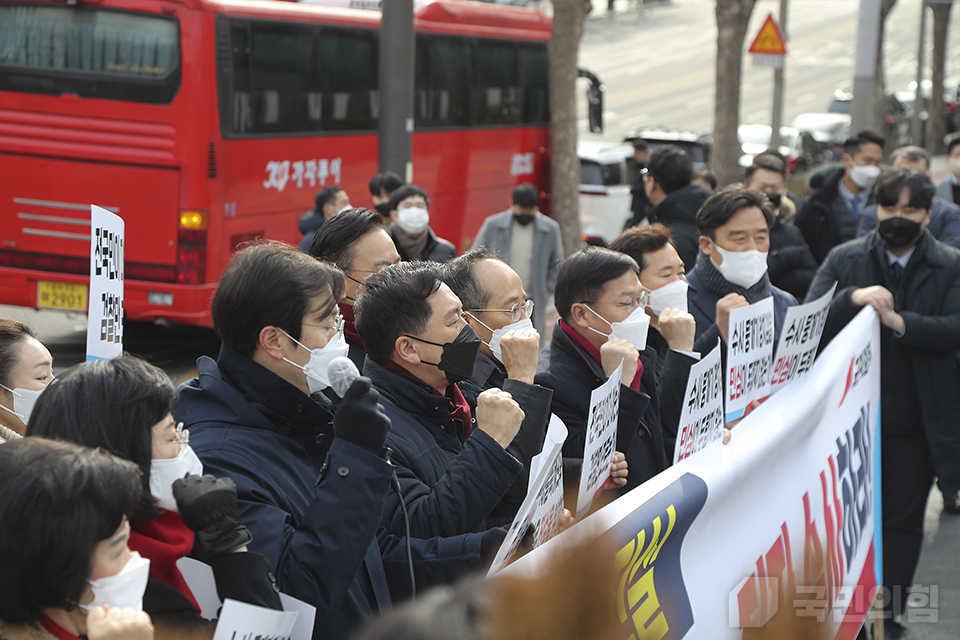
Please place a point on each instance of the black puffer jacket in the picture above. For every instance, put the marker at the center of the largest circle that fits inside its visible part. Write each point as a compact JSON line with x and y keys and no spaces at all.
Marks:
{"x":679,"y":213}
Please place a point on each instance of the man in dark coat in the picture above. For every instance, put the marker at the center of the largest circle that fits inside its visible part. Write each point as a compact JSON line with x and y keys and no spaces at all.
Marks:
{"x":913,"y":282}
{"x":639,"y":202}
{"x":830,"y":216}
{"x":329,"y":202}
{"x":495,"y":306}
{"x":595,"y":289}
{"x":312,"y":497}
{"x":452,"y":463}
{"x":944,"y":215}
{"x":410,"y":227}
{"x":357,"y":242}
{"x":675,"y":199}
{"x":789,"y":263}
{"x":732,"y":267}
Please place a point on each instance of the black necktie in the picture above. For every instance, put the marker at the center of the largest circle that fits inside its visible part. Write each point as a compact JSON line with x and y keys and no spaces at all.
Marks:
{"x":897,"y":269}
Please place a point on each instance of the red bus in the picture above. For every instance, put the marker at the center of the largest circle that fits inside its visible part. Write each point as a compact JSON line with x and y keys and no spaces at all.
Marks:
{"x":207,"y":123}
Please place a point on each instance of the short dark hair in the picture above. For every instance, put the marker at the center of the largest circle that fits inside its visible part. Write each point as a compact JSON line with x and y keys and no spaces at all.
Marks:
{"x":582,"y":276}
{"x":725,"y":204}
{"x":709,"y":176}
{"x":12,"y":335}
{"x":385,"y":181}
{"x":326,"y":196}
{"x":767,"y":163}
{"x":57,"y":501}
{"x":639,"y":143}
{"x":394,"y":303}
{"x":772,"y":156}
{"x":110,"y":404}
{"x":526,"y":196}
{"x":893,"y":181}
{"x":458,"y":275}
{"x":335,"y":239}
{"x":269,"y":283}
{"x":671,"y":167}
{"x":639,"y":240}
{"x":953,"y":141}
{"x":913,"y":153}
{"x":852,"y":145}
{"x":405,"y":192}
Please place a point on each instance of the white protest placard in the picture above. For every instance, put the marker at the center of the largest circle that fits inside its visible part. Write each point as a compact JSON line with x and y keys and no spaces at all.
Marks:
{"x":701,"y":419}
{"x":601,"y":440}
{"x":105,"y":308}
{"x":749,"y":355}
{"x":799,"y":340}
{"x":241,"y":621}
{"x":543,"y":505}
{"x":200,"y":579}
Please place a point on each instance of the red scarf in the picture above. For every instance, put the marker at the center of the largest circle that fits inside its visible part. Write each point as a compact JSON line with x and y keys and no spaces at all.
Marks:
{"x":163,"y":541}
{"x":56,"y":630}
{"x":594,"y":353}
{"x":459,"y":408}
{"x":349,"y":324}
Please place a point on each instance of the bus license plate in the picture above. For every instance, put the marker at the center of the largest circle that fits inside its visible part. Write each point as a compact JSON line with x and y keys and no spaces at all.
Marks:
{"x":61,"y":295}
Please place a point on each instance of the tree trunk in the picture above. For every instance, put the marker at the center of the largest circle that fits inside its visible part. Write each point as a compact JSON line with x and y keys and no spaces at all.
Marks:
{"x":568,"y":20}
{"x":936,"y":122}
{"x":732,"y":19}
{"x":881,"y":108}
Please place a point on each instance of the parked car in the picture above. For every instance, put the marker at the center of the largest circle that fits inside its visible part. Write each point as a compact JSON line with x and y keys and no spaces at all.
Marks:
{"x":798,"y":147}
{"x":897,"y":114}
{"x":697,"y":143}
{"x":830,"y":129}
{"x":606,"y":174}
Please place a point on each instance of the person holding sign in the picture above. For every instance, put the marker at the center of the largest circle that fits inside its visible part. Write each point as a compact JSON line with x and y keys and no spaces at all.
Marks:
{"x":913,"y":282}
{"x":312,"y":485}
{"x":452,"y":462}
{"x":731,"y":269}
{"x":26,"y":368}
{"x":67,"y":571}
{"x":603,"y":327}
{"x":495,"y":306}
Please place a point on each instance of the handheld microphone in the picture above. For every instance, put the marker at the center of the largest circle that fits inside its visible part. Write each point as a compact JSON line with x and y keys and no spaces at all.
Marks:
{"x":342,"y":373}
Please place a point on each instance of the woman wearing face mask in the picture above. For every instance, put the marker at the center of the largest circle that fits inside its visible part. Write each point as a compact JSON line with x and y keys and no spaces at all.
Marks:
{"x":25,"y":369}
{"x":67,"y":571}
{"x":124,"y":406}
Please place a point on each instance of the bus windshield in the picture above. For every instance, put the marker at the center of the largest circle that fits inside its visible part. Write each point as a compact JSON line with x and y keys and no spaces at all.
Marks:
{"x":89,"y":52}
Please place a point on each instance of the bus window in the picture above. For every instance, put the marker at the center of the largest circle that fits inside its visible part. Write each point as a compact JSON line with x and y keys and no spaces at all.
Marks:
{"x":300,"y":79}
{"x":93,"y":53}
{"x":534,"y":70}
{"x":442,"y":82}
{"x":495,"y":91}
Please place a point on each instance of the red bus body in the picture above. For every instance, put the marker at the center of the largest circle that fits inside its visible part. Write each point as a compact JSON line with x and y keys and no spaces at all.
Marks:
{"x":154,"y":164}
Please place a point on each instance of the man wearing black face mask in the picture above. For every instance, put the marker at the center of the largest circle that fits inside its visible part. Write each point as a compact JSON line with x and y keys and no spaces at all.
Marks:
{"x":453,"y":465}
{"x":529,"y":242}
{"x":913,"y":282}
{"x":790,"y":264}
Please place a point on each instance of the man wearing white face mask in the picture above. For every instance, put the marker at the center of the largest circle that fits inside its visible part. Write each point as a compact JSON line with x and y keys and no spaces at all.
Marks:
{"x":26,"y":367}
{"x":603,"y":326}
{"x":410,"y":228}
{"x":731,"y":269}
{"x":494,"y":305}
{"x":830,"y":216}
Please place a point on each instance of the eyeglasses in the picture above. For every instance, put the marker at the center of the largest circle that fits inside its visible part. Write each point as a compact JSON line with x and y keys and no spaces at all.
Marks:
{"x":525,"y":307}
{"x":181,"y":437}
{"x":337,"y":325}
{"x":630,"y":305}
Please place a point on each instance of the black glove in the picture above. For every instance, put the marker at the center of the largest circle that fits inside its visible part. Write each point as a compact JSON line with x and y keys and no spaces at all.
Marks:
{"x":360,"y":418}
{"x":208,"y":506}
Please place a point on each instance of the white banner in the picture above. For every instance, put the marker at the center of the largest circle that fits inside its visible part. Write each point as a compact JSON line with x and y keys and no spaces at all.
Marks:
{"x":543,"y":505}
{"x":749,"y":353}
{"x":105,"y":310}
{"x":241,"y":621}
{"x":701,"y":419}
{"x":601,"y":441}
{"x":714,"y":544}
{"x":797,"y":349}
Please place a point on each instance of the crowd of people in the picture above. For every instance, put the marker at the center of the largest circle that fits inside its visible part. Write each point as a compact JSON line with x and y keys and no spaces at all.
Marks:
{"x":354,"y":497}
